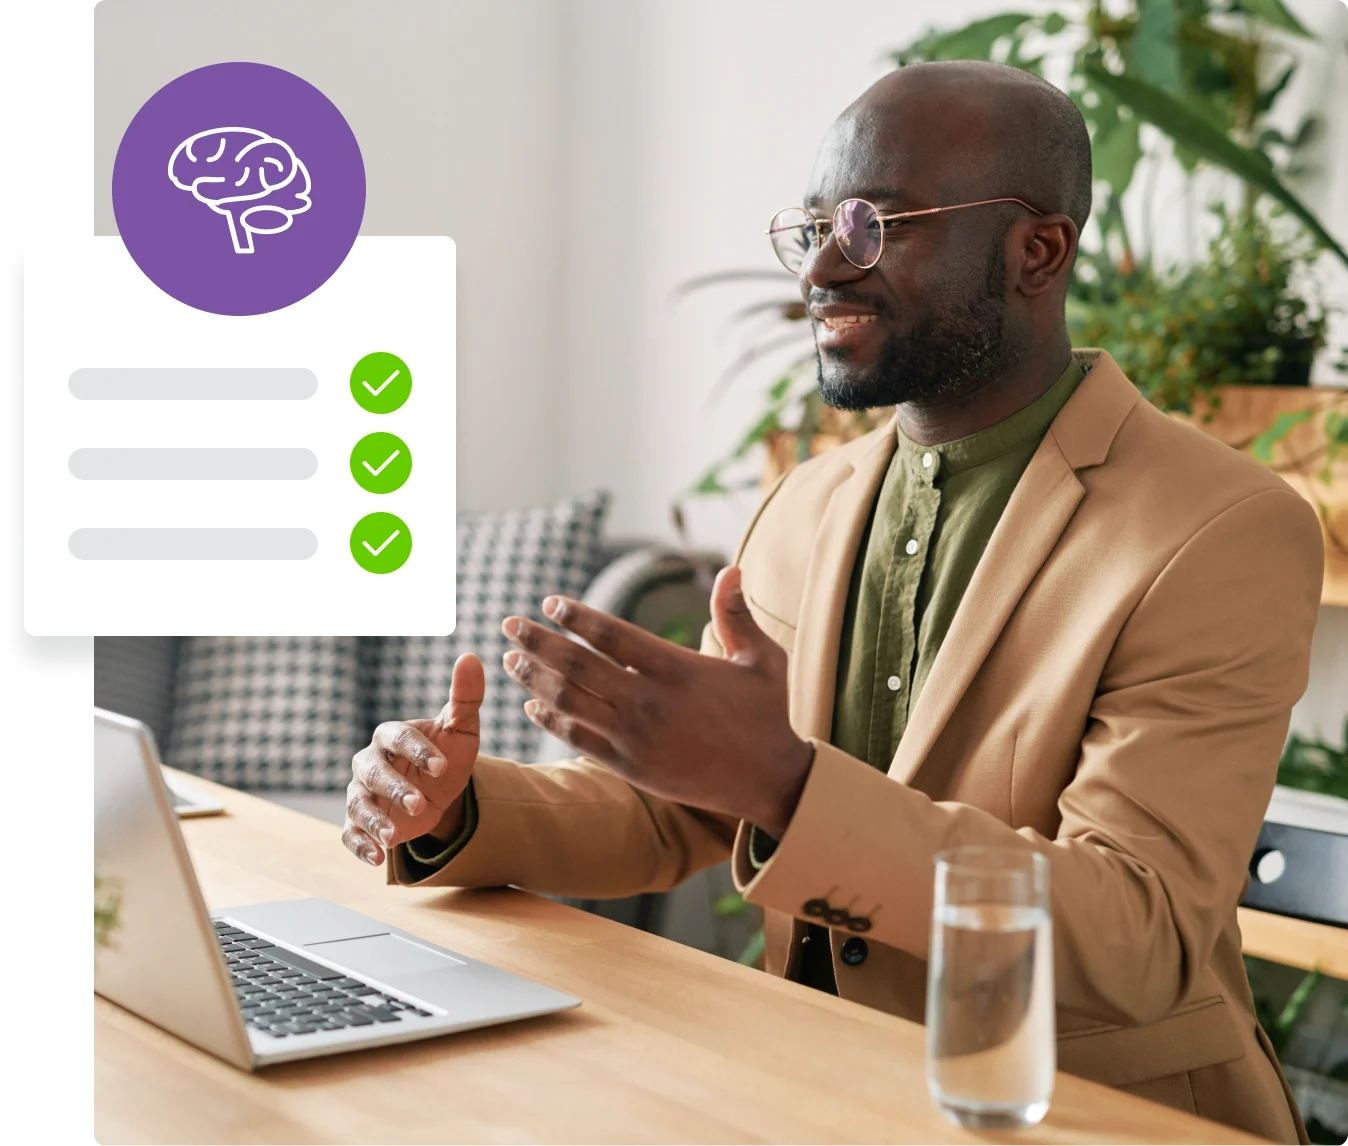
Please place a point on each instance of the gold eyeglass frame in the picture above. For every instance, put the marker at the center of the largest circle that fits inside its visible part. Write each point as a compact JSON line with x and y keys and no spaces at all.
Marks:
{"x":820,"y":225}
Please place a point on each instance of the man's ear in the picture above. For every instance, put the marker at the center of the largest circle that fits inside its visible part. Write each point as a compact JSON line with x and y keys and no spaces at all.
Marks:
{"x":1047,"y":244}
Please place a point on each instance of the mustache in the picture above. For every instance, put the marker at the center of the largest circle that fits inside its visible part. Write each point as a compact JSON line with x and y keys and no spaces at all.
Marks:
{"x":847,"y":298}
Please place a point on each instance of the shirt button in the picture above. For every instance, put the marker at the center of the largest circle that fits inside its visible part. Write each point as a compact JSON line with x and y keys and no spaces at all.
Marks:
{"x":910,"y":548}
{"x":927,"y":459}
{"x":894,"y":684}
{"x":854,"y":952}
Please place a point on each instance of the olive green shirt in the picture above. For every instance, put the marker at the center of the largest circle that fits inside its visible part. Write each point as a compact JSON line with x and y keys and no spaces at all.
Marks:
{"x":932,"y":520}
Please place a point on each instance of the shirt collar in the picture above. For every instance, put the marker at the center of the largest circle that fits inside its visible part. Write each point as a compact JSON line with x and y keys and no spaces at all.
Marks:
{"x":1026,"y":425}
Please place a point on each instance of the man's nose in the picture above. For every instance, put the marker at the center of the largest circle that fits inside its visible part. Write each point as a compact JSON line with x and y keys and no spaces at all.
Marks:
{"x":826,"y":265}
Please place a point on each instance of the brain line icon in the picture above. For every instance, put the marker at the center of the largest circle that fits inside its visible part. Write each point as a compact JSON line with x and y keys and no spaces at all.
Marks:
{"x":254,"y":180}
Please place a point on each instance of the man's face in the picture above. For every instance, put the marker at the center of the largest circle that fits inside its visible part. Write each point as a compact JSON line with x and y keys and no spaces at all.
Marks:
{"x":929,"y":321}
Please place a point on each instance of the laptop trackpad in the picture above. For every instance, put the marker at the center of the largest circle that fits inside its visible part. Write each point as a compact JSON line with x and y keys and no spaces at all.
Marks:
{"x":383,"y":956}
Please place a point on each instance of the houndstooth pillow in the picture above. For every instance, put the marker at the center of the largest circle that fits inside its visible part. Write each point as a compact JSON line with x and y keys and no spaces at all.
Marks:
{"x":267,"y":712}
{"x":508,"y":562}
{"x":289,"y":712}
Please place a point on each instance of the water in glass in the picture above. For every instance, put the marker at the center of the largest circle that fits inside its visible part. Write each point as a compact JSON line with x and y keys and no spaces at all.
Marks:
{"x":991,"y":1050}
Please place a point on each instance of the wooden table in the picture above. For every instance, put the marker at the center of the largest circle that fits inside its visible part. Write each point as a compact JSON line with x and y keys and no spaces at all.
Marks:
{"x":670,"y":1044}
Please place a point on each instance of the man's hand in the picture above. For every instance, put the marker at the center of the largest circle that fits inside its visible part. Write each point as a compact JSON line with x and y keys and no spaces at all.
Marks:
{"x":410,"y":780}
{"x":705,"y":731}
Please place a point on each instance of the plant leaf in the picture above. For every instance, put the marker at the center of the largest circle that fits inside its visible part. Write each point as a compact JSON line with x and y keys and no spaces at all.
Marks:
{"x":756,"y":433}
{"x":1306,"y":131}
{"x":1262,"y":446}
{"x":1275,"y":13}
{"x":1287,"y":1020}
{"x":1115,"y":154}
{"x":1190,"y":130}
{"x":730,"y":904}
{"x":972,"y":42}
{"x":753,"y":950}
{"x":718,"y":278}
{"x":1153,"y":53}
{"x":1269,"y":96}
{"x":709,"y":483}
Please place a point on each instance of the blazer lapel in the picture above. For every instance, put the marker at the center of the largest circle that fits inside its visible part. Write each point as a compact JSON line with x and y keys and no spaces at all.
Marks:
{"x":827,"y":577}
{"x":1036,"y":515}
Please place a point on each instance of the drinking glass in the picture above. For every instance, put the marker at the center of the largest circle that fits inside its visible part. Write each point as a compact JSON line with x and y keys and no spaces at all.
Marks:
{"x":991,"y":1050}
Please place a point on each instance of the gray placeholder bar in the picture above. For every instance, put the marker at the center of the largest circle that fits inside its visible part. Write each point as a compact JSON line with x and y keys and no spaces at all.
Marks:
{"x":193,"y":464}
{"x":193,"y":544}
{"x":193,"y":383}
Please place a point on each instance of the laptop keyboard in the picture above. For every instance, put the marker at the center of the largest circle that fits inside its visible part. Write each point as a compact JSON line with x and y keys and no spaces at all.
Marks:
{"x":285,"y":994}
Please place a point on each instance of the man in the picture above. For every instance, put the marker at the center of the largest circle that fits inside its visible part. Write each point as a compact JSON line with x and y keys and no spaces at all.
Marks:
{"x":1031,"y":612}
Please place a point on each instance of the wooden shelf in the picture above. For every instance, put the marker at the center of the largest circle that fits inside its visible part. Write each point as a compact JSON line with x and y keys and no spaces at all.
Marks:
{"x":1294,"y":942}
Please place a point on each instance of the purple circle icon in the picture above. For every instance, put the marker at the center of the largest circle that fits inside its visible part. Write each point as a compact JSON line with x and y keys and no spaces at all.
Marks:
{"x":238,"y":188}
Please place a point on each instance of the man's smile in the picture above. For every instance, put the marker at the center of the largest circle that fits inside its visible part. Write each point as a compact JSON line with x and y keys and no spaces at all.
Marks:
{"x":838,"y":325}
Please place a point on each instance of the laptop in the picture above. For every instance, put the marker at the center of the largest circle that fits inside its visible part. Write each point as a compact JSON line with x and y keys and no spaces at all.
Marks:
{"x":266,"y":982}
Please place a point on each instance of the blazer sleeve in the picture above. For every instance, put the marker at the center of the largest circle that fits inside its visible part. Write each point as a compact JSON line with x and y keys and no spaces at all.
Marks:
{"x":1176,"y":768}
{"x":576,"y":828}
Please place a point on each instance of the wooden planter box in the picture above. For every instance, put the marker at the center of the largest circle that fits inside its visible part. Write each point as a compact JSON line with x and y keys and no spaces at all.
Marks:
{"x":1242,"y":413}
{"x":1245,"y":412}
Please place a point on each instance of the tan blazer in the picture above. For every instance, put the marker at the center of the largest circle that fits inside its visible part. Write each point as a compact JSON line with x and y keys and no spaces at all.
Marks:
{"x":1114,"y":691}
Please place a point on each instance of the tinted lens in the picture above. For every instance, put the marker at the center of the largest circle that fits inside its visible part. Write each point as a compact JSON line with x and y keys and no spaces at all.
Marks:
{"x":859,"y":232}
{"x":793,"y":234}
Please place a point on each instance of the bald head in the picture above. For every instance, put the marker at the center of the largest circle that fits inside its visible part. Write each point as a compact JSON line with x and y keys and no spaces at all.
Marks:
{"x":993,"y":130}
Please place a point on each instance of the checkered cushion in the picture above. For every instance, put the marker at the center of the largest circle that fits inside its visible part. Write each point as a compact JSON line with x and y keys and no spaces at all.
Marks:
{"x":508,"y":562}
{"x":289,"y":712}
{"x":267,"y":712}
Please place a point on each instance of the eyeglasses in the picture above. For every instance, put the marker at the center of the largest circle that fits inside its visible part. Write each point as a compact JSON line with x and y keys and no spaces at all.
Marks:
{"x":857,"y":225}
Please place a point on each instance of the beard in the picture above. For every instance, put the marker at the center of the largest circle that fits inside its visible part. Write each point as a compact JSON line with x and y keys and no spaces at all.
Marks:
{"x":943,"y":358}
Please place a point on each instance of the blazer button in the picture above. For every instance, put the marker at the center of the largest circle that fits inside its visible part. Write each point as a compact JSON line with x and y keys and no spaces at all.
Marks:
{"x":854,"y":952}
{"x":816,"y":907}
{"x":836,"y":916}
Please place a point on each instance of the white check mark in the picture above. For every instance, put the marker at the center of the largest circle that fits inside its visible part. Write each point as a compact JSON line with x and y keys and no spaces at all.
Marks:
{"x":376,"y":552}
{"x":380,"y":389}
{"x":382,"y":465}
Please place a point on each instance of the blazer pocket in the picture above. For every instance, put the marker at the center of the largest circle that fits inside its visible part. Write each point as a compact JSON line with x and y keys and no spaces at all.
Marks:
{"x":781,"y":631}
{"x":1201,"y":1034}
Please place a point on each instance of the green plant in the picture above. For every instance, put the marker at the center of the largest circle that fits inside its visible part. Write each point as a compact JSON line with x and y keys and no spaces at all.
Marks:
{"x":107,"y":905}
{"x":732,"y":905}
{"x":1335,"y":449}
{"x":1315,"y":765}
{"x":1240,"y":316}
{"x":1205,"y":73}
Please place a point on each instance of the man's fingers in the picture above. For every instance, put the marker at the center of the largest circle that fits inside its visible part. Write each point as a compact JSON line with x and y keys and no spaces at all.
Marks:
{"x":618,"y":640}
{"x":360,"y":844}
{"x":569,"y":730}
{"x":398,"y":739}
{"x":379,"y":777}
{"x":735,"y":627}
{"x":362,"y":811}
{"x":561,"y":692}
{"x":467,"y":687}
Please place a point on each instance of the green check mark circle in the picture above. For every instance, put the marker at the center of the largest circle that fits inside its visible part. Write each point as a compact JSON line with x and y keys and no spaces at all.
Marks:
{"x":381,"y":542}
{"x":381,"y":463}
{"x":381,"y":382}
